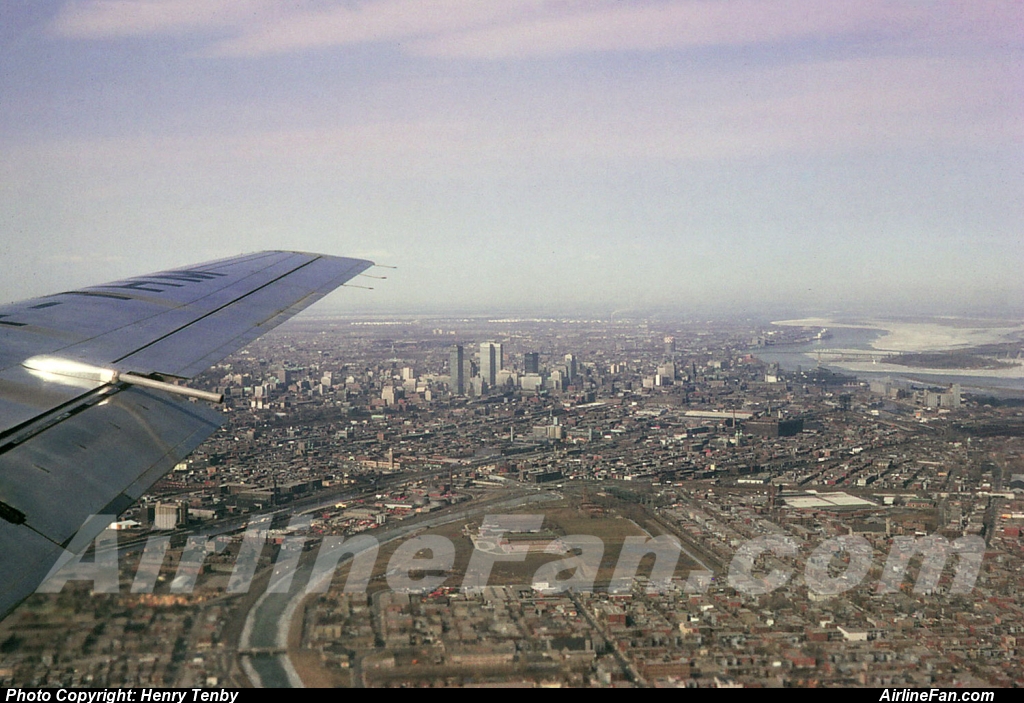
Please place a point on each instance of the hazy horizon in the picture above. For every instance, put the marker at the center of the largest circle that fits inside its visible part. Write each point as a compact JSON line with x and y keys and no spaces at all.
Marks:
{"x":533,"y":156}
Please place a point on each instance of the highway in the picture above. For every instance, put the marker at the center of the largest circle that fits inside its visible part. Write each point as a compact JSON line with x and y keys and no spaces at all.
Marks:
{"x":270,"y":619}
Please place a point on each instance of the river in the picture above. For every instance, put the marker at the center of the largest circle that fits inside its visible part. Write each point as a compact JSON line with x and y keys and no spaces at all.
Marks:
{"x":793,"y":357}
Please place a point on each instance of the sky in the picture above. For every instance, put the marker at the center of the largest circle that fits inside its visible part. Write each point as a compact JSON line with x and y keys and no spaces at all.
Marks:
{"x":540,"y":155}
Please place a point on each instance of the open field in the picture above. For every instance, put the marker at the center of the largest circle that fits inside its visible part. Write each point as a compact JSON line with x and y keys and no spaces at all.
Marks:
{"x":612,"y":530}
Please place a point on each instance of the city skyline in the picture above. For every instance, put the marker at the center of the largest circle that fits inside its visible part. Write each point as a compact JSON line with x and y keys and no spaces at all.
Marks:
{"x":741,"y":476}
{"x":542,"y":156}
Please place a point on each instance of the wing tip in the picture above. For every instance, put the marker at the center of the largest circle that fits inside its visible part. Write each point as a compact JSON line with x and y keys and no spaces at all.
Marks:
{"x":318,"y":255}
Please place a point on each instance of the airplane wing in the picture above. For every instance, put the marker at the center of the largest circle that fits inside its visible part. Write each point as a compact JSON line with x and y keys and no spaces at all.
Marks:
{"x":82,"y":430}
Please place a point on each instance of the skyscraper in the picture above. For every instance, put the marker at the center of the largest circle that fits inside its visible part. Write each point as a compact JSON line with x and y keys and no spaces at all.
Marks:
{"x":456,"y":371}
{"x":531,"y":362}
{"x":490,"y":362}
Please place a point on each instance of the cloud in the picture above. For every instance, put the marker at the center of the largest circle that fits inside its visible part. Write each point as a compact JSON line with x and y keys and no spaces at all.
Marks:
{"x":531,"y":28}
{"x":108,"y":19}
{"x":388,"y":21}
{"x":651,"y":26}
{"x":842,"y":106}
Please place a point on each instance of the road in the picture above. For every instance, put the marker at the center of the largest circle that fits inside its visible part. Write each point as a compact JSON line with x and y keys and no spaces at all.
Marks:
{"x":270,"y":619}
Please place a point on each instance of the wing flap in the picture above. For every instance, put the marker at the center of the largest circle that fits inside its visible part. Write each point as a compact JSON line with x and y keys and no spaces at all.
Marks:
{"x":26,"y":396}
{"x":34,"y":556}
{"x":100,"y":460}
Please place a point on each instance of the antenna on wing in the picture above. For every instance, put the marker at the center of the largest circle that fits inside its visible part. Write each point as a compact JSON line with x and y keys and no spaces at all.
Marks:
{"x":385,"y":266}
{"x":352,"y":285}
{"x":55,"y":366}
{"x":379,"y":278}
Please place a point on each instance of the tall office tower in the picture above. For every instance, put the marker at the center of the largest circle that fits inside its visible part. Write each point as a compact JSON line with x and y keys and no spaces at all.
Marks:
{"x":670,"y":347}
{"x":531,"y":362}
{"x":570,"y":366}
{"x":457,"y":370}
{"x":490,"y":362}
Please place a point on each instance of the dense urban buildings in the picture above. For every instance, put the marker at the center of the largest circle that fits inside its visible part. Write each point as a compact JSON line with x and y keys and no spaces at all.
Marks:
{"x":652,"y":502}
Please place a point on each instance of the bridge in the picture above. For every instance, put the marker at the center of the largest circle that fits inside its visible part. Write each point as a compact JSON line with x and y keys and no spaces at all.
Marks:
{"x":853,"y":355}
{"x":255,"y":651}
